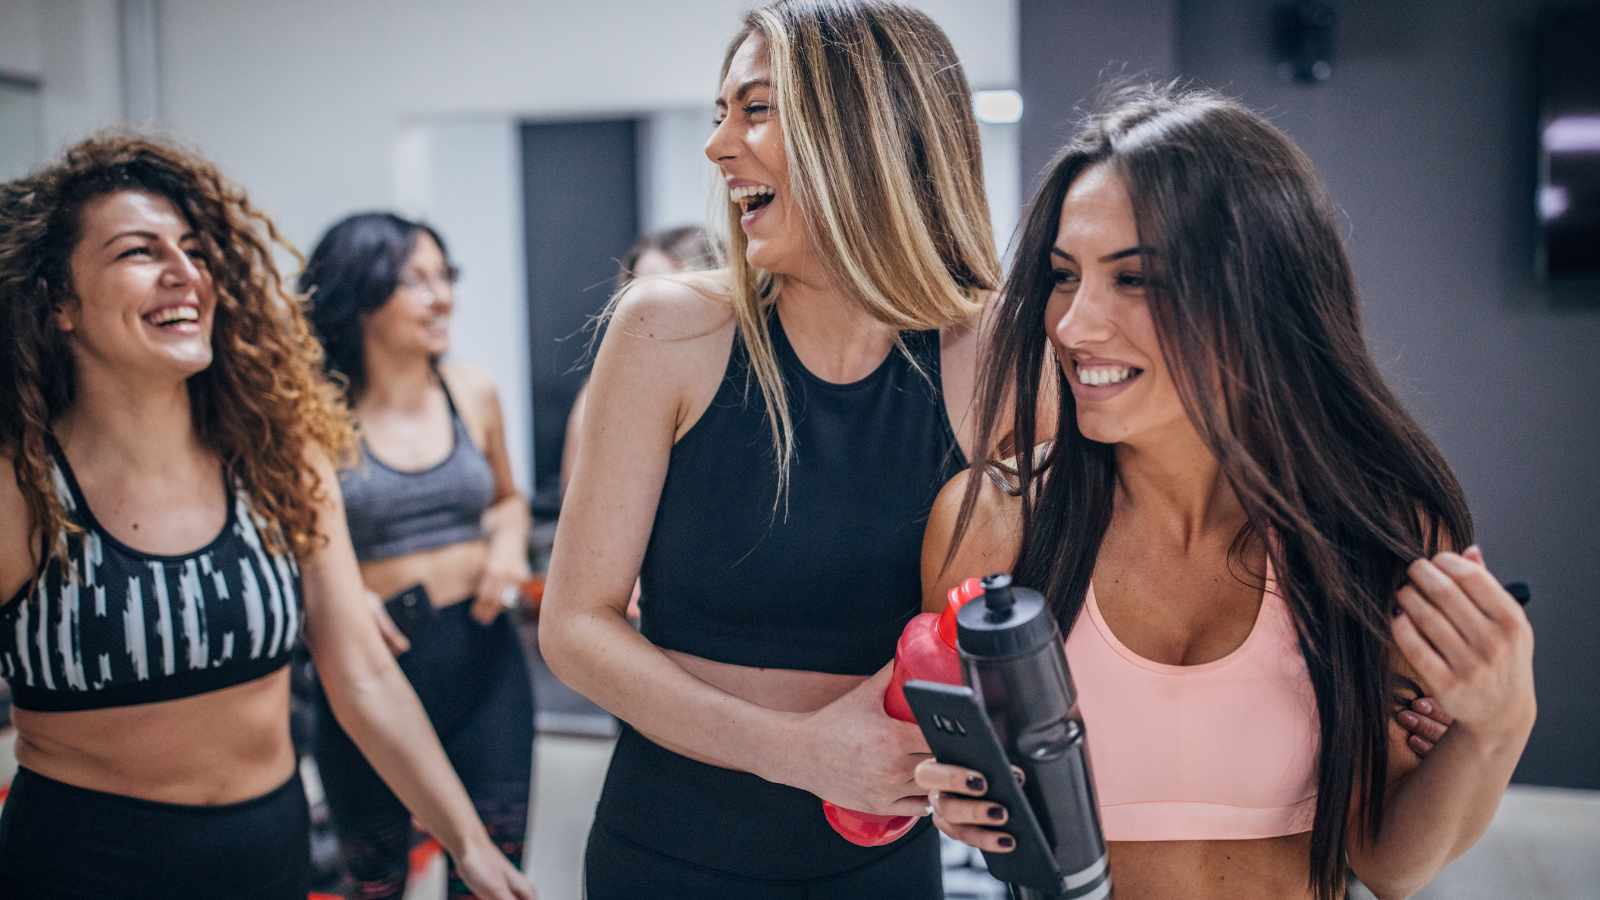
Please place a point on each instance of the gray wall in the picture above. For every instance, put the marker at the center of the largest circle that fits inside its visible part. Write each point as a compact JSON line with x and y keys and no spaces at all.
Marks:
{"x":1426,"y":136}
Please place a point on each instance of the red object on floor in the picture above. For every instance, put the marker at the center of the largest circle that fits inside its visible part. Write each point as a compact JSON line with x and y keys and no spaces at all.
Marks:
{"x":422,"y":854}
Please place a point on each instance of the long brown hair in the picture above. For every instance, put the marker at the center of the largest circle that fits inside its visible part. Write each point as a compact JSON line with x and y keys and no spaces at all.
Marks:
{"x":261,"y":405}
{"x":1251,"y":289}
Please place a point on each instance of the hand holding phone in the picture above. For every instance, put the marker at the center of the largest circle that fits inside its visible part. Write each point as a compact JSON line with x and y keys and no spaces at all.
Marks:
{"x":959,"y":733}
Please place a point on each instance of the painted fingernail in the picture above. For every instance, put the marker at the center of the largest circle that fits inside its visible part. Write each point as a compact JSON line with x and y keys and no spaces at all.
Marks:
{"x":1425,"y":707}
{"x":975,"y":783}
{"x":1408,"y":719}
{"x":995,"y":812}
{"x":1006,"y":841}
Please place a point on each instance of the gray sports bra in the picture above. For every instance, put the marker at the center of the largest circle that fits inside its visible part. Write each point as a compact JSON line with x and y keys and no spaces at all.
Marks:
{"x":394,"y":512}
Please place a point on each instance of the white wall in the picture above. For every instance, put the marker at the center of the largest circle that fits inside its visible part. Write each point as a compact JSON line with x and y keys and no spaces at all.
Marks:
{"x":70,"y":47}
{"x":21,"y":53}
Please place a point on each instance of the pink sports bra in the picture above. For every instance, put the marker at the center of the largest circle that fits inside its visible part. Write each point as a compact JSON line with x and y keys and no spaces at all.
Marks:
{"x":1224,"y":750}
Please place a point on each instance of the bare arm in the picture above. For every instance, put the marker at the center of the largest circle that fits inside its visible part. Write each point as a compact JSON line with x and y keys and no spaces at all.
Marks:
{"x":1470,"y":646}
{"x":658,"y":365}
{"x":374,"y":702}
{"x":990,"y":544}
{"x":569,"y":439}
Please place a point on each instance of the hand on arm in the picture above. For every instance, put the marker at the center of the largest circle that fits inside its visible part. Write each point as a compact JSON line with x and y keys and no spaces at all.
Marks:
{"x":375,"y":704}
{"x":1471,"y":647}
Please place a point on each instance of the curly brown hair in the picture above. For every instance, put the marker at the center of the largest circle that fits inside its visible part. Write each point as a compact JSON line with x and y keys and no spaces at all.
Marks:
{"x":262,"y":405}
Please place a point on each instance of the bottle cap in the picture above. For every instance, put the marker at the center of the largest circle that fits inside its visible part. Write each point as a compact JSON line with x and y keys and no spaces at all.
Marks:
{"x":1006,"y":621}
{"x":959,"y":596}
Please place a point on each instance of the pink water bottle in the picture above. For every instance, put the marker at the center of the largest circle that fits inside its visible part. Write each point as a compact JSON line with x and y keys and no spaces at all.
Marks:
{"x":926,"y":652}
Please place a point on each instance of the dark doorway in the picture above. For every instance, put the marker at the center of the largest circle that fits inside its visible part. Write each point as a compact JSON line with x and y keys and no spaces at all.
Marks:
{"x":581,"y":213}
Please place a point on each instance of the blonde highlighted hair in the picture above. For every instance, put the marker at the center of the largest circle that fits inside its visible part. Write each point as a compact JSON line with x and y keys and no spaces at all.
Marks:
{"x":885,"y":170}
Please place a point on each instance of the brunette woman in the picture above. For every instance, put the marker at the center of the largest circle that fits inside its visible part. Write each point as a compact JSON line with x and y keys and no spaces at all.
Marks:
{"x":1251,"y":547}
{"x":440,"y":531}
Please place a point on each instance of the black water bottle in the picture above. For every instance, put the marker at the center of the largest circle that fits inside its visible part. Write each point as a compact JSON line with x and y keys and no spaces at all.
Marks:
{"x":1013,"y":658}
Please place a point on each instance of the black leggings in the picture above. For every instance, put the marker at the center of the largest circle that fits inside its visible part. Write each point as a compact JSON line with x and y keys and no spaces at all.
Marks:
{"x":615,"y":868}
{"x":60,"y":842}
{"x":473,"y":682}
{"x":668,"y":826}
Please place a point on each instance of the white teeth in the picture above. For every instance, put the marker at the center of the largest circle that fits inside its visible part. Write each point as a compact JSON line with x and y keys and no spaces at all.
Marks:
{"x":741,"y":194}
{"x":1100,"y":375}
{"x":174,"y":314}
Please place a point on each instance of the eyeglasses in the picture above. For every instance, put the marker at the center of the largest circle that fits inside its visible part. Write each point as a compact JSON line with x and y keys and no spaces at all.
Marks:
{"x":434,"y":286}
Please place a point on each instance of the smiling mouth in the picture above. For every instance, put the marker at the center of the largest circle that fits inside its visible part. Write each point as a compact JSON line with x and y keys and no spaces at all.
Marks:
{"x":173,"y":316}
{"x":1105,"y":376}
{"x":751,"y":199}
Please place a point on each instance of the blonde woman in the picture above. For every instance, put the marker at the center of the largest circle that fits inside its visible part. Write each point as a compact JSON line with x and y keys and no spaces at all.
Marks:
{"x":761,"y":447}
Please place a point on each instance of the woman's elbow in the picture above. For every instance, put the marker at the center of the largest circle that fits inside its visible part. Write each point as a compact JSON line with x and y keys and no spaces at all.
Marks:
{"x":555,"y":644}
{"x":1393,"y":882}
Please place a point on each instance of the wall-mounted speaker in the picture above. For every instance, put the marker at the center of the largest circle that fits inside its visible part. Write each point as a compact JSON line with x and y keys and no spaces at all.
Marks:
{"x":1303,"y":40}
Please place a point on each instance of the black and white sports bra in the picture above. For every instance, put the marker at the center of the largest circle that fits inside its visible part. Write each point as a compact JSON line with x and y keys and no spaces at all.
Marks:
{"x":115,"y":626}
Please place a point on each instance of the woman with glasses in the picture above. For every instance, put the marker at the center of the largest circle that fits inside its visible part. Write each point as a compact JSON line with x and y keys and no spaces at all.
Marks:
{"x":440,"y":530}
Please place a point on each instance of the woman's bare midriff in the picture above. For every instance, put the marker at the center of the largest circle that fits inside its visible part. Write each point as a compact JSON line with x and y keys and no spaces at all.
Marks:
{"x":1266,"y":869}
{"x":450,"y":573}
{"x":785,"y":690}
{"x":1269,"y":869}
{"x":215,"y":748}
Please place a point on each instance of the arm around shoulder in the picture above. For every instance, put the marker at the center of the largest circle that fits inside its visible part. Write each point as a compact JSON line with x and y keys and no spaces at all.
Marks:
{"x":988,"y":544}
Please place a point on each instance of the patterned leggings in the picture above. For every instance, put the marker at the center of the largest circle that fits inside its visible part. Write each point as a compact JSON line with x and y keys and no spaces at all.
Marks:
{"x":473,"y":682}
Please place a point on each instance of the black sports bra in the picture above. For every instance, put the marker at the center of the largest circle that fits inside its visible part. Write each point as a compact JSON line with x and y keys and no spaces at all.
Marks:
{"x":115,"y":626}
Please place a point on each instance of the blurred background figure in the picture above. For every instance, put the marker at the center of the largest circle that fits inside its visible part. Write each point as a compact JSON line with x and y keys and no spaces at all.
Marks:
{"x":440,"y":530}
{"x":677,"y":249}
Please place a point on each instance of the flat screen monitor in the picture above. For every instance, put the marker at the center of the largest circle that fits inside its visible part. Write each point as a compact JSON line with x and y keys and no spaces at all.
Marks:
{"x":1569,"y":145}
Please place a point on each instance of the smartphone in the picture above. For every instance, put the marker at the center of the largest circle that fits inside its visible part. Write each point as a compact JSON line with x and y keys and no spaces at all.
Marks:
{"x":959,"y":733}
{"x":411,"y":609}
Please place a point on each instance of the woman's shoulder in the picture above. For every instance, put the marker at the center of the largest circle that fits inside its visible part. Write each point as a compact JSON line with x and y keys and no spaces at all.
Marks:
{"x":994,"y":526}
{"x":676,"y":307}
{"x":998,"y":496}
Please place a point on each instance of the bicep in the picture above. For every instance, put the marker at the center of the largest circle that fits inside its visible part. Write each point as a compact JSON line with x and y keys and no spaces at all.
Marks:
{"x":624,"y":442}
{"x":989,"y":545}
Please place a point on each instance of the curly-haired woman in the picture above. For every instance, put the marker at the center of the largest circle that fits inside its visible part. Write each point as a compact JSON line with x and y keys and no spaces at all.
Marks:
{"x":170,"y":526}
